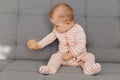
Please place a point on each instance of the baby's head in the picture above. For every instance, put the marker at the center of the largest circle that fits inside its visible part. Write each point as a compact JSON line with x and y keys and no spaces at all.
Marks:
{"x":62,"y":17}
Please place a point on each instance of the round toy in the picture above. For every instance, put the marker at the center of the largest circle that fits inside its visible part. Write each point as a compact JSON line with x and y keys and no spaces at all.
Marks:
{"x":32,"y":44}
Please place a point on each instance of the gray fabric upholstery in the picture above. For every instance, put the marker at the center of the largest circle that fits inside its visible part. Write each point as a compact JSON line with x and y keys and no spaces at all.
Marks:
{"x":21,"y":20}
{"x":18,"y":75}
{"x":72,"y":76}
{"x":104,"y":40}
{"x":33,"y":66}
{"x":25,"y":65}
{"x":28,"y":69}
{"x":4,"y":63}
{"x":102,"y":8}
{"x":13,"y":75}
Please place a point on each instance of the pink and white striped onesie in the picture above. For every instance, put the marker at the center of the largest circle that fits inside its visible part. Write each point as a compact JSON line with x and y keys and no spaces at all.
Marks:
{"x":76,"y":39}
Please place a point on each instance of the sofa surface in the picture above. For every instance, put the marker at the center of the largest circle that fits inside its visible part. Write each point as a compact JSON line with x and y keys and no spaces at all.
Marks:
{"x":21,"y":20}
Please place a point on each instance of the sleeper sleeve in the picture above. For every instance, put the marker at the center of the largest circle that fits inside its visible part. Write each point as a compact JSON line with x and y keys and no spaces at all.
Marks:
{"x":47,"y":40}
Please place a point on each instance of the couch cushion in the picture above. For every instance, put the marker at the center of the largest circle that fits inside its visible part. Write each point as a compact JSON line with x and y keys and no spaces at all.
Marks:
{"x":104,"y":38}
{"x":7,"y":35}
{"x":75,"y":76}
{"x":25,"y":65}
{"x":110,"y":68}
{"x":30,"y":67}
{"x":35,"y":7}
{"x":9,"y":6}
{"x":68,"y":76}
{"x":20,"y":75}
{"x":107,"y":77}
{"x":102,"y":54}
{"x":102,"y":8}
{"x":33,"y":66}
{"x":4,"y":63}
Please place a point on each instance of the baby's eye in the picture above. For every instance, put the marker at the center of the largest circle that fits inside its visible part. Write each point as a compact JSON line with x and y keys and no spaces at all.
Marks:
{"x":57,"y":26}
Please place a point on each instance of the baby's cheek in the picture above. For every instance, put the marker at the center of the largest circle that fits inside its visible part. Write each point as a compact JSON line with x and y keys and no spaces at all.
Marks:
{"x":58,"y":28}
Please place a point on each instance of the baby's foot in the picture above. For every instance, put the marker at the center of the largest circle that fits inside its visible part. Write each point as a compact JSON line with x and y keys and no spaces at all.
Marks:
{"x":46,"y":70}
{"x":95,"y":68}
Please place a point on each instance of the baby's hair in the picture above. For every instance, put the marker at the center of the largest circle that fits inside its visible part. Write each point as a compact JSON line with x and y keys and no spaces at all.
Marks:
{"x":68,"y":14}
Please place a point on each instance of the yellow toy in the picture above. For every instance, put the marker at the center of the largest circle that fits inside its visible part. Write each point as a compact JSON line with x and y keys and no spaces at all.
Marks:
{"x":32,"y":44}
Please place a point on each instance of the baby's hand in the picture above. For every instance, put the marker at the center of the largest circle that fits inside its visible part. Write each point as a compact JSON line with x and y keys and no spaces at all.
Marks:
{"x":32,"y":44}
{"x":67,"y":56}
{"x":81,"y":62}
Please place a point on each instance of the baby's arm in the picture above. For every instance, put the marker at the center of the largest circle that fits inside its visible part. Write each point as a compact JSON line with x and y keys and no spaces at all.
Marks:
{"x":34,"y":45}
{"x":46,"y":40}
{"x":80,"y":41}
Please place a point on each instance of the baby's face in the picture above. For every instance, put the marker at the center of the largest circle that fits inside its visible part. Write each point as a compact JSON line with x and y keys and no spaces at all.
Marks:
{"x":60,"y":26}
{"x":58,"y":23}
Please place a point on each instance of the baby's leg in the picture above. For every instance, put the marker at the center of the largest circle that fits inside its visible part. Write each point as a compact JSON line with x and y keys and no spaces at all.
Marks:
{"x":53,"y":64}
{"x":90,"y":67}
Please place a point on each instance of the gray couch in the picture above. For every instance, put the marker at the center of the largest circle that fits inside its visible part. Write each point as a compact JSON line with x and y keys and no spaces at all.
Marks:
{"x":21,"y":20}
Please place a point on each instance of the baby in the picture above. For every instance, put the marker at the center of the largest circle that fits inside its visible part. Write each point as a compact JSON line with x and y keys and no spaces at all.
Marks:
{"x":72,"y":43}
